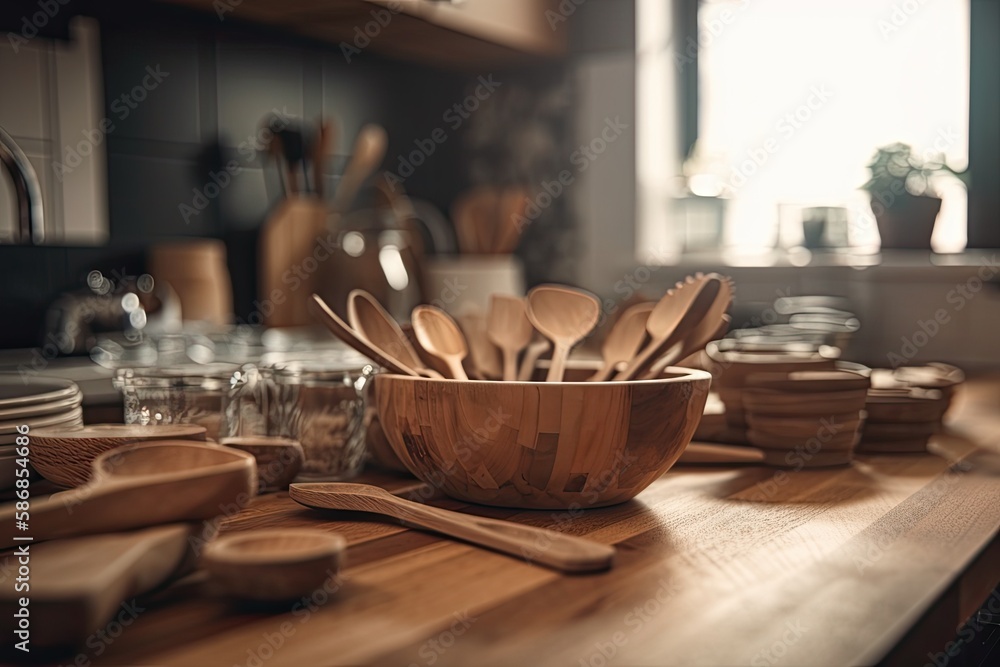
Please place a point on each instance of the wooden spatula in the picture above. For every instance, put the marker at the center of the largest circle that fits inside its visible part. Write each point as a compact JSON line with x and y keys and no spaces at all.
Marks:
{"x":509,"y":329}
{"x":563,"y":552}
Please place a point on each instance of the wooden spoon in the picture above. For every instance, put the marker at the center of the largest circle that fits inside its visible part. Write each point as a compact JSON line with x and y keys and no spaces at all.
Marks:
{"x":509,"y":329}
{"x":438,"y":334}
{"x":624,"y":340}
{"x":369,"y":319}
{"x":144,"y":485}
{"x":562,"y":552}
{"x":665,"y":318}
{"x":274,"y":565}
{"x":565,"y":316}
{"x":369,"y":149}
{"x":703,"y":326}
{"x":535,"y":350}
{"x":344,"y":332}
{"x":484,"y":356}
{"x":78,"y":585}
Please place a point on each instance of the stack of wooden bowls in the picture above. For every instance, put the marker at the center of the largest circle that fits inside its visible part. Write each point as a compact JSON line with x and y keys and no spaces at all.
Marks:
{"x":805,"y":418}
{"x":731,"y":363}
{"x":906,"y":406}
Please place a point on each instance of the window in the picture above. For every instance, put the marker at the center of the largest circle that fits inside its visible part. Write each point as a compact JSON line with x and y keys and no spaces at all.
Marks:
{"x":794,"y":96}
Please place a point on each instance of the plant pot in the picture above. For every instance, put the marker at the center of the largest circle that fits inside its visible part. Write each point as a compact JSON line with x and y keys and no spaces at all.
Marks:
{"x":908,"y":223}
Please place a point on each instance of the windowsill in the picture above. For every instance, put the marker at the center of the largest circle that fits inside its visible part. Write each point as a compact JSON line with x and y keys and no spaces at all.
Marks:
{"x":804,"y":259}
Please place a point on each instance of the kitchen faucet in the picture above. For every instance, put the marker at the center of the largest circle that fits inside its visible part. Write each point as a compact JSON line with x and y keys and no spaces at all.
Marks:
{"x":30,"y":229}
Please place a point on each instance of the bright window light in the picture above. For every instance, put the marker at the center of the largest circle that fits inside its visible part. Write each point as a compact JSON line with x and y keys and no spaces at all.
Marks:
{"x":796,"y":95}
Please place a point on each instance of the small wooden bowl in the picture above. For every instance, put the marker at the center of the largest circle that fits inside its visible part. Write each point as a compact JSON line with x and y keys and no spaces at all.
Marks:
{"x":541,"y":445}
{"x":887,"y":406}
{"x":65,"y":456}
{"x":274,"y":565}
{"x":279,"y":460}
{"x":842,"y":441}
{"x":810,"y":404}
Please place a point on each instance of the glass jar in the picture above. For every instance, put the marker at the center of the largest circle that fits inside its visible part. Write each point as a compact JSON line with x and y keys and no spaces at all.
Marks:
{"x":187,"y":394}
{"x":320,"y":402}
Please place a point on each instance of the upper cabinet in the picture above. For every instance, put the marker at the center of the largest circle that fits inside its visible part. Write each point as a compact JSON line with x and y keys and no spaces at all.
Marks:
{"x":455,"y":34}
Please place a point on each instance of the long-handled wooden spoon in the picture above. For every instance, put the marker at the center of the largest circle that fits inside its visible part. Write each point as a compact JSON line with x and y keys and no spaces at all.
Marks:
{"x":665,"y":318}
{"x":562,"y":552}
{"x":624,"y":340}
{"x":438,"y":334}
{"x":344,"y":332}
{"x":700,"y":326}
{"x":369,"y":319}
{"x":565,"y":316}
{"x":509,"y":329}
{"x":134,"y":486}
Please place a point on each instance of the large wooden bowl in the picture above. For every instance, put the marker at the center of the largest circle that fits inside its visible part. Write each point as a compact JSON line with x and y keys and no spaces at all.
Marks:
{"x":540,"y":445}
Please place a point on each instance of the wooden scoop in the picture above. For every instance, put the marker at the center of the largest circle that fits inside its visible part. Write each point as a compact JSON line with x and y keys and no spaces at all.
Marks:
{"x":343,"y":331}
{"x":668,"y":316}
{"x":438,"y":334}
{"x":509,"y":329}
{"x":143,"y":485}
{"x":274,"y":565}
{"x":565,"y":316}
{"x":562,"y":552}
{"x":624,"y":340}
{"x":376,"y":326}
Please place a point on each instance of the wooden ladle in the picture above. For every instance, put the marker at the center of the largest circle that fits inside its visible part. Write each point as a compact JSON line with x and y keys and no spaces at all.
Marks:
{"x":667,"y":317}
{"x":376,"y":326}
{"x":509,"y":329}
{"x":624,"y":340}
{"x":562,"y":552}
{"x":344,"y":332}
{"x":440,"y":336}
{"x":565,"y":316}
{"x":144,"y":485}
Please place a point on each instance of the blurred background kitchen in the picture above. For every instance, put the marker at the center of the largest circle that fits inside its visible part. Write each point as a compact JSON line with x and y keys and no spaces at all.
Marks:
{"x":165,"y":162}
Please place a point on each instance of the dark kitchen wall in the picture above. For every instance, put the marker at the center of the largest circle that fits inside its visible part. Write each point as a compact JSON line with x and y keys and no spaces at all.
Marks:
{"x":208,"y":84}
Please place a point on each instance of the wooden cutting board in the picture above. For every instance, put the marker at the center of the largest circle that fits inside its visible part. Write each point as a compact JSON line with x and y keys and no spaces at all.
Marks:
{"x":78,"y":586}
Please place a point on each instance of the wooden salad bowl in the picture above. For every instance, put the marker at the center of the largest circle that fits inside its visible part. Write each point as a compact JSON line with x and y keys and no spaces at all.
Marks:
{"x":541,"y":445}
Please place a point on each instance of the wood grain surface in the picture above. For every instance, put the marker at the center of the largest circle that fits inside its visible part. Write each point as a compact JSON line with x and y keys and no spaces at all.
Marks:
{"x":875,"y":561}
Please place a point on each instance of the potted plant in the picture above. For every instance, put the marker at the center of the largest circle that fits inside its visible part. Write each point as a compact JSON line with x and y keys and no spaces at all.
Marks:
{"x":903,"y":198}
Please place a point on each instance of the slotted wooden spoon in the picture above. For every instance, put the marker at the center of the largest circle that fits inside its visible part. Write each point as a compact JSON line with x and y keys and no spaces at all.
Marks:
{"x":666,"y":318}
{"x":562,"y":552}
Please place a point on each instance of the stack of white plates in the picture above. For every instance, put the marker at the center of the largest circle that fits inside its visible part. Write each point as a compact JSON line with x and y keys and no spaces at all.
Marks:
{"x":33,"y":402}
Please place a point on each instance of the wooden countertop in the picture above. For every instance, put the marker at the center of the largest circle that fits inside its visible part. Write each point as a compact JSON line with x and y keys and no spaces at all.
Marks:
{"x":716,"y":566}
